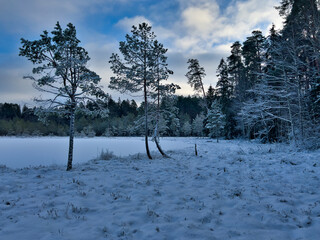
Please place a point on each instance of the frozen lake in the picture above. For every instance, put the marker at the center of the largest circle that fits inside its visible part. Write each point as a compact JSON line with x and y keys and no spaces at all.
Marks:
{"x":18,"y":152}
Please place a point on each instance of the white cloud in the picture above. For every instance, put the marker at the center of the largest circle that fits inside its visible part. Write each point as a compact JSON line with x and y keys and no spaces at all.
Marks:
{"x":127,"y":23}
{"x":205,"y":24}
{"x":199,"y":20}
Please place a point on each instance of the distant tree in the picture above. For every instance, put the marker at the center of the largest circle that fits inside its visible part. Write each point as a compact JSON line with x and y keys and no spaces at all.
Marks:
{"x":170,"y":114}
{"x":216,"y":121}
{"x":236,"y":71}
{"x":224,"y":95}
{"x":61,"y":68}
{"x":224,"y":88}
{"x":190,"y":106}
{"x":9,"y":111}
{"x":186,"y":129}
{"x":253,"y":52}
{"x":197,"y":125}
{"x":195,"y":75}
{"x":134,"y":73}
{"x":211,"y":95}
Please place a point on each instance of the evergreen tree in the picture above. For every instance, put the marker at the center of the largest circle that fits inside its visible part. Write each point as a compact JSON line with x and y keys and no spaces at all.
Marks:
{"x":197,"y":125}
{"x":211,"y":95}
{"x":135,"y":72}
{"x":195,"y":75}
{"x":224,"y":86}
{"x":236,"y":71}
{"x":186,"y":129}
{"x":252,"y":51}
{"x":224,"y":91}
{"x":216,"y":121}
{"x":63,"y":73}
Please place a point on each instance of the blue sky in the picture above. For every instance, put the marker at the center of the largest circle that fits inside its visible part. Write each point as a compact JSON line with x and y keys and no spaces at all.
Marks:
{"x":202,"y":29}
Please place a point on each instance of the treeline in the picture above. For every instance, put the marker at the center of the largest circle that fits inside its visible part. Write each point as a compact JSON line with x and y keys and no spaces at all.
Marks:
{"x":122,"y":120}
{"x":269,"y":87}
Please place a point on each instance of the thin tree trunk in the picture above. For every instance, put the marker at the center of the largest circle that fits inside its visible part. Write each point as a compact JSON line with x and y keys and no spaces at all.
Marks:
{"x":71,"y":137}
{"x":157,"y":142}
{"x":158,"y":120}
{"x":204,"y":96}
{"x":146,"y":120}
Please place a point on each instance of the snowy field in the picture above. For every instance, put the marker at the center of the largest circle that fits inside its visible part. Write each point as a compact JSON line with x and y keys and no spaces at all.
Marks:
{"x":232,"y":190}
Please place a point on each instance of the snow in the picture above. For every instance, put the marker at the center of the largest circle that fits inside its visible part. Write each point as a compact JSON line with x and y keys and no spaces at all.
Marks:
{"x":232,"y":190}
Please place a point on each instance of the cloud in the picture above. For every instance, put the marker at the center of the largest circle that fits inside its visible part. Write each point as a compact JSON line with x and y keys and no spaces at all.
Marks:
{"x":205,"y":23}
{"x":127,"y":23}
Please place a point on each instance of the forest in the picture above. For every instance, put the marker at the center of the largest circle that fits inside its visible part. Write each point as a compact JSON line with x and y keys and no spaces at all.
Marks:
{"x":16,"y":120}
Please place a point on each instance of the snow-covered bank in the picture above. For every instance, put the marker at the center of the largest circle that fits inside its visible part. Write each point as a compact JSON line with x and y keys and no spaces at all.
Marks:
{"x":232,"y":190}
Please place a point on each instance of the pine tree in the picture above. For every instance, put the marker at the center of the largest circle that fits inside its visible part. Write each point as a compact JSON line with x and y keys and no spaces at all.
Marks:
{"x":224,"y":86}
{"x":62,"y":73}
{"x":197,"y":125}
{"x":236,"y":71}
{"x":252,"y":51}
{"x":224,"y":92}
{"x":169,"y":112}
{"x":216,"y":121}
{"x":186,"y":129}
{"x":211,"y":95}
{"x":195,"y":75}
{"x":134,"y":73}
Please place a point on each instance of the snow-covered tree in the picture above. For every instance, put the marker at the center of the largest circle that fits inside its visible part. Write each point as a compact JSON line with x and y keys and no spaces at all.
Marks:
{"x":61,"y":71}
{"x":197,"y":125}
{"x":186,"y":129}
{"x":170,"y":112}
{"x":216,"y":121}
{"x":134,"y":73}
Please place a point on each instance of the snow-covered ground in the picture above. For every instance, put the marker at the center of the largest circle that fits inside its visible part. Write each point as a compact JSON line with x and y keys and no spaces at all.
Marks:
{"x":232,"y":190}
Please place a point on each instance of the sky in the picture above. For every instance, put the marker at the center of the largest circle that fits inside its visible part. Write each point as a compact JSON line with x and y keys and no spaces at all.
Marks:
{"x":202,"y":29}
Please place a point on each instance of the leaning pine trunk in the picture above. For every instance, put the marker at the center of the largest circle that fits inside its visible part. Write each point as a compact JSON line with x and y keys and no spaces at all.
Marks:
{"x":158,"y":120}
{"x":71,"y":137}
{"x":146,"y":120}
{"x":157,"y":142}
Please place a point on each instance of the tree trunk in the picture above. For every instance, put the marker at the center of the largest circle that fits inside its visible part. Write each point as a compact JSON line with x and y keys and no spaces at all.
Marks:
{"x":146,"y":120}
{"x":71,"y":137}
{"x":157,"y":142}
{"x":204,"y":97}
{"x":158,"y":120}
